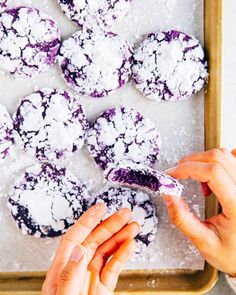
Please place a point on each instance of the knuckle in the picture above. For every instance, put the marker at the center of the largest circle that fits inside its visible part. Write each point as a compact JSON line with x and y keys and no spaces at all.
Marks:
{"x":177,"y":220}
{"x":215,"y":155}
{"x":65,"y":277}
{"x":215,"y":169}
{"x":91,"y":244}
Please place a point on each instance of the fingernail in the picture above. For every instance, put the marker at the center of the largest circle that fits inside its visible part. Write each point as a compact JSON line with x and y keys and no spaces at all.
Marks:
{"x":77,"y":254}
{"x":170,"y":170}
{"x":168,"y":200}
{"x":95,"y":208}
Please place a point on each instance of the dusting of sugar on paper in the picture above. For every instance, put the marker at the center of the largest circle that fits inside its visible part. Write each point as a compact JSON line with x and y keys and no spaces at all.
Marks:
{"x":180,"y":124}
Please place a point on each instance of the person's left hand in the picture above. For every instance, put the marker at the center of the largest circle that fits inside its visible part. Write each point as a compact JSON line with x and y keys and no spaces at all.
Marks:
{"x":92,"y":254}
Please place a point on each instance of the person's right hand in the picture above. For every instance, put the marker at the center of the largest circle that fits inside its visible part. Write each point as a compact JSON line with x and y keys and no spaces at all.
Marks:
{"x":215,"y":237}
{"x":92,"y":254}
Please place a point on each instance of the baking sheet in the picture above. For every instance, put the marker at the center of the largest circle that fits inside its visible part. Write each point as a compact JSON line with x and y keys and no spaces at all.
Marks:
{"x":181,"y":125}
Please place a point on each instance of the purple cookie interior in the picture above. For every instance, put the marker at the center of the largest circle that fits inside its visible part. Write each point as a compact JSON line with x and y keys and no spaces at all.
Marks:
{"x":139,"y":176}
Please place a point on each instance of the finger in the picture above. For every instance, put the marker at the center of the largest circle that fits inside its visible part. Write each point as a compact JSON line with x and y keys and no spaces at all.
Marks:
{"x":234,"y":152}
{"x":106,"y":230}
{"x":217,"y":179}
{"x":114,"y":267}
{"x":79,"y":232}
{"x":221,"y":156}
{"x":181,"y":216}
{"x":73,"y":275}
{"x":105,"y":251}
{"x":75,"y":235}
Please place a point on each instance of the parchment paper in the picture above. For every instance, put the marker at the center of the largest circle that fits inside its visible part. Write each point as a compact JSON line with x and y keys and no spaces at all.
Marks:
{"x":180,"y":124}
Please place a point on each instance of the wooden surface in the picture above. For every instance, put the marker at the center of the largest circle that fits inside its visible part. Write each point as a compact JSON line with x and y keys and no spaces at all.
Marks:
{"x":182,"y":282}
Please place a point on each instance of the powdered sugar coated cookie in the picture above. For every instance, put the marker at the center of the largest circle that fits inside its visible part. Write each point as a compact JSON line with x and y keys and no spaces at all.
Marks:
{"x":143,"y":177}
{"x":143,"y":211}
{"x":169,"y":66}
{"x":51,"y":123}
{"x":3,"y":5}
{"x":6,"y":133}
{"x":95,"y":63}
{"x":122,"y":134}
{"x":92,"y":13}
{"x":29,"y":41}
{"x":46,"y":200}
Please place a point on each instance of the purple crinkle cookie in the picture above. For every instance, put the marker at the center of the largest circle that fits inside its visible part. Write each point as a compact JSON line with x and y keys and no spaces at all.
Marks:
{"x":169,"y":66}
{"x":6,"y":133}
{"x":143,"y":210}
{"x":122,"y":134}
{"x":95,"y":63}
{"x":143,"y":177}
{"x":51,"y":123}
{"x":46,"y":200}
{"x":3,"y":5}
{"x":29,"y":41}
{"x":95,"y":13}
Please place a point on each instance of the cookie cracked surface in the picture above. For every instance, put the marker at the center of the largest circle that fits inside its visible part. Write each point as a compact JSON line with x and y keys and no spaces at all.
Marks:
{"x":95,"y":63}
{"x":169,"y":66}
{"x":29,"y":41}
{"x":122,"y":134}
{"x":91,"y":13}
{"x":46,"y":200}
{"x":143,"y":210}
{"x":6,"y":133}
{"x":51,"y":123}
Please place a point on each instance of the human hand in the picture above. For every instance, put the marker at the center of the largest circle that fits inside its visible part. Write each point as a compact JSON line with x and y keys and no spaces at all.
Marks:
{"x":215,"y":237}
{"x":92,"y":254}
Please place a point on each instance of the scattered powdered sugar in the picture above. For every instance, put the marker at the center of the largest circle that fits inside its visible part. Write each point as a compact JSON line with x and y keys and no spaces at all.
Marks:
{"x":6,"y":133}
{"x":144,"y":177}
{"x":92,"y":13}
{"x":46,"y":200}
{"x":3,"y":5}
{"x":51,"y":123}
{"x":121,"y":134}
{"x":169,"y":66}
{"x":170,"y":248}
{"x":95,"y":63}
{"x":143,"y":211}
{"x":29,"y":41}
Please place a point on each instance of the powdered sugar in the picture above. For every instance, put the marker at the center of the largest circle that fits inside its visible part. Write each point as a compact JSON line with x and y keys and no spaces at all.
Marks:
{"x":51,"y":123}
{"x":46,"y":200}
{"x":3,"y":5}
{"x":95,"y":63}
{"x":169,"y":66}
{"x":29,"y":41}
{"x":143,"y":177}
{"x":143,"y":212}
{"x":6,"y":133}
{"x":92,"y":13}
{"x":121,"y":134}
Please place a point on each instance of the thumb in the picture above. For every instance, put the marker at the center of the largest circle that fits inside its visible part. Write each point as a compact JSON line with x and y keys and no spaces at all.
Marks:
{"x":234,"y":152}
{"x":193,"y":228}
{"x":73,"y":275}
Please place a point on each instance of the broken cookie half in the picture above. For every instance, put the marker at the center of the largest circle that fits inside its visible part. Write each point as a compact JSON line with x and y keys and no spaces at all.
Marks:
{"x":144,"y":178}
